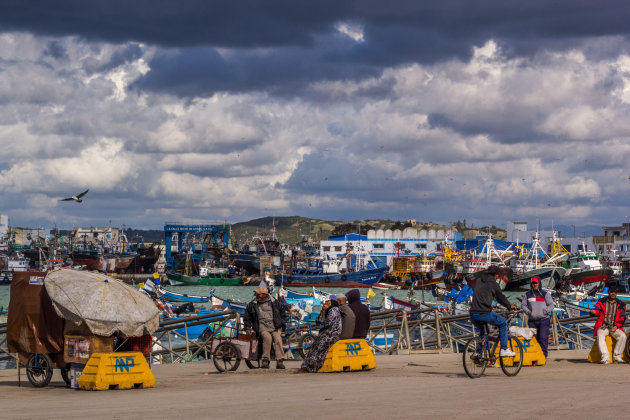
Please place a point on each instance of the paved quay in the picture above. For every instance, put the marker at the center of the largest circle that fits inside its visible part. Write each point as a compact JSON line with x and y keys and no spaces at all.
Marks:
{"x":402,"y":386}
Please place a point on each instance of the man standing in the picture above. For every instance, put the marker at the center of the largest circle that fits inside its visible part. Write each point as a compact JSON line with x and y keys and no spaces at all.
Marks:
{"x":611,"y":315}
{"x":538,"y":304}
{"x":347,"y":318}
{"x":266,"y":317}
{"x":485,"y":290}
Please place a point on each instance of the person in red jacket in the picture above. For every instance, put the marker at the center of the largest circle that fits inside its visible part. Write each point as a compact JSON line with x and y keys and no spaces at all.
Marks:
{"x":611,"y":315}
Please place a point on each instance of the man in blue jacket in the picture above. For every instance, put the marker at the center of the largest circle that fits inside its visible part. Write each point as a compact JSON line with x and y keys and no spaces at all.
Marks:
{"x":538,"y":304}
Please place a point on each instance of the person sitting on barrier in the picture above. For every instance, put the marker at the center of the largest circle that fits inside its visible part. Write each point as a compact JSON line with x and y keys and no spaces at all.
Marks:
{"x":266,"y":317}
{"x":538,"y":304}
{"x":611,"y":315}
{"x":330,"y":319}
{"x":485,"y":290}
{"x":347,"y":318}
{"x":361,"y":314}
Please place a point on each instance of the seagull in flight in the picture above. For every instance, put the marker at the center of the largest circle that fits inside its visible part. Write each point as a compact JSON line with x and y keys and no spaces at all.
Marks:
{"x":76,"y":198}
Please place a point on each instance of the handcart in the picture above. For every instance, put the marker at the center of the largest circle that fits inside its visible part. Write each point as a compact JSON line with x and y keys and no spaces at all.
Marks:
{"x":34,"y":330}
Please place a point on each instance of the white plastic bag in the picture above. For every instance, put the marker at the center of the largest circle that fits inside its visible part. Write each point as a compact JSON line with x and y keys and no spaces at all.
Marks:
{"x":526,"y":333}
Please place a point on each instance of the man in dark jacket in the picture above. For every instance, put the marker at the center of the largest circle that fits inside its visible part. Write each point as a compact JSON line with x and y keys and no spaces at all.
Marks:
{"x":538,"y":304}
{"x":266,"y":317}
{"x":348,"y":320}
{"x":361,"y":314}
{"x":485,"y":290}
{"x":611,"y":315}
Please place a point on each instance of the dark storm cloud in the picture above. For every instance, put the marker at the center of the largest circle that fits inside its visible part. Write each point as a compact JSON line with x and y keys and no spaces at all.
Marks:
{"x":56,"y":50}
{"x":204,"y":71}
{"x":251,"y":23}
{"x":344,"y":179}
{"x":394,"y":33}
{"x":120,"y":56}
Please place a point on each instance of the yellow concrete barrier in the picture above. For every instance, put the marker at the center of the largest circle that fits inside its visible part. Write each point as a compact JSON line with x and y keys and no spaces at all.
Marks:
{"x":532,"y":353}
{"x":349,"y":355}
{"x":595,"y":355}
{"x":124,"y":370}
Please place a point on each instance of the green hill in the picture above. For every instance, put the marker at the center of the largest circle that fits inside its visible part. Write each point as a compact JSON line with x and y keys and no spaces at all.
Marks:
{"x":293,"y":229}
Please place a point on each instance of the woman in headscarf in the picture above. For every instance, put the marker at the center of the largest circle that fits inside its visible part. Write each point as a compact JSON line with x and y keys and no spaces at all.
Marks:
{"x":330,"y":320}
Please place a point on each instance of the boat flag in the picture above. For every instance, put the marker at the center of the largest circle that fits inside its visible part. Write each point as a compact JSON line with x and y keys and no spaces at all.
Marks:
{"x":370,"y":293}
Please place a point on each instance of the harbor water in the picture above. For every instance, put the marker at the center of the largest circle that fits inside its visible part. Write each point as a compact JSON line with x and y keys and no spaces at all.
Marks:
{"x":246,"y":293}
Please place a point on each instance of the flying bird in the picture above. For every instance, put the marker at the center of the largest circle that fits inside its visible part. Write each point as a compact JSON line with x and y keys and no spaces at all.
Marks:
{"x":76,"y":198}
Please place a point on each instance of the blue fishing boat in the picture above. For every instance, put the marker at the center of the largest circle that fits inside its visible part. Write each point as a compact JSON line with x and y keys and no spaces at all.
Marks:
{"x":231,"y":304}
{"x":318,"y":277}
{"x":180,"y":297}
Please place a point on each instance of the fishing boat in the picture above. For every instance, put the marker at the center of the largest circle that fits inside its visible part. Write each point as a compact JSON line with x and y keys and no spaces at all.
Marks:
{"x":585,"y":267}
{"x":206,"y":277}
{"x":317,"y":277}
{"x":536,"y":263}
{"x":362,"y":272}
{"x":240,"y":307}
{"x":172,"y":296}
{"x":385,"y":286}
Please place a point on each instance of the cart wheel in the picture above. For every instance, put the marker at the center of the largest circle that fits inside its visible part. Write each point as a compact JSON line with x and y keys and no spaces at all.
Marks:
{"x":39,"y":370}
{"x":64,"y":375}
{"x":306,"y":341}
{"x":253,"y":364}
{"x":226,"y":357}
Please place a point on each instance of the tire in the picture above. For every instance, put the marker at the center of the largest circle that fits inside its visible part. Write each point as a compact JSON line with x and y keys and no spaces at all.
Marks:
{"x":344,"y":277}
{"x":306,"y":341}
{"x":253,"y":364}
{"x":39,"y":370}
{"x":226,"y":357}
{"x":627,"y":349}
{"x":64,"y":375}
{"x":511,"y":366}
{"x":475,"y":357}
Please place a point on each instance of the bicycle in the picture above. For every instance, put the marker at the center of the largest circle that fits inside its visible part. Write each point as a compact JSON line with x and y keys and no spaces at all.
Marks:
{"x":483,"y":350}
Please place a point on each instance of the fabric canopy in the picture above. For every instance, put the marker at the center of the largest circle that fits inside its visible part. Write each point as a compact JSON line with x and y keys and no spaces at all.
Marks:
{"x":103,"y":304}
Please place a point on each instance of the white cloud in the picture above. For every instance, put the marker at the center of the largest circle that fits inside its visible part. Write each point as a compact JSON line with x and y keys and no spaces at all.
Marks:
{"x":539,"y":137}
{"x":352,"y":30}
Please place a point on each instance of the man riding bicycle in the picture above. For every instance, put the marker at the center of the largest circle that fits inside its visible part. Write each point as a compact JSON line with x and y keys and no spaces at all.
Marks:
{"x":485,"y":290}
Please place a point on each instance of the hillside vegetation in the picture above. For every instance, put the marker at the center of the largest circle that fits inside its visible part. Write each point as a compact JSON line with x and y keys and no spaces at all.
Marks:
{"x":294,"y":229}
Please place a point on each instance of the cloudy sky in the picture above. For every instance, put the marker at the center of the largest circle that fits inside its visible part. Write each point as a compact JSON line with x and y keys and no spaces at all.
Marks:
{"x":230,"y":110}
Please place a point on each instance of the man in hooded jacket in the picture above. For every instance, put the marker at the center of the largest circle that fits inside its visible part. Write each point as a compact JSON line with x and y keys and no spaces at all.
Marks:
{"x":361,"y":313}
{"x":485,"y":291}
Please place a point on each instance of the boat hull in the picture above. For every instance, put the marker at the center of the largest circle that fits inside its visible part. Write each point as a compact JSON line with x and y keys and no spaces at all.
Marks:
{"x":181,"y":297}
{"x":362,"y":278}
{"x":548,"y":276}
{"x":203,"y":281}
{"x":590,"y":276}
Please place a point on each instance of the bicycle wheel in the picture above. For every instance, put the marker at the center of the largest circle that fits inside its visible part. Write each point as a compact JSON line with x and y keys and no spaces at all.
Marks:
{"x":474,"y":357}
{"x":306,"y":341}
{"x":511,"y":366}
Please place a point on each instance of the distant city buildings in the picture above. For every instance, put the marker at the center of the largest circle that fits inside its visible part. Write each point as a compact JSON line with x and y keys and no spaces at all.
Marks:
{"x":93,"y":236}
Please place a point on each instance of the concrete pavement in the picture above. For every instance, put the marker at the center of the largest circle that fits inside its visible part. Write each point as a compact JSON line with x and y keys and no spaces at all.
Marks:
{"x":414,"y":386}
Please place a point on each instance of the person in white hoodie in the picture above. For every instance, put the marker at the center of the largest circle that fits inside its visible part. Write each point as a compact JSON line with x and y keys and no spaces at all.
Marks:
{"x":538,"y":304}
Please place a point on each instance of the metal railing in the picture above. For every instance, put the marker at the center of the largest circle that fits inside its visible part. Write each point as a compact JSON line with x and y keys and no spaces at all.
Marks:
{"x":419,"y":330}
